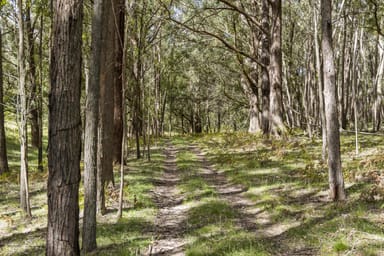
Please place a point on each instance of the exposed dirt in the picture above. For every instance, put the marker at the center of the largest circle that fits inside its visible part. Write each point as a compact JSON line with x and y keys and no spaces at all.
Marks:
{"x":172,"y":216}
{"x":169,"y":227}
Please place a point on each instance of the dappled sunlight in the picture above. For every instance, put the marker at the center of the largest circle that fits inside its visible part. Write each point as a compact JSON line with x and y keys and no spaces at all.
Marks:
{"x":229,"y":198}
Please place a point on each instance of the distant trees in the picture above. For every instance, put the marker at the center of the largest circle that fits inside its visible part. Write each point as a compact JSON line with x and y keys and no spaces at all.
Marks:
{"x":64,"y":150}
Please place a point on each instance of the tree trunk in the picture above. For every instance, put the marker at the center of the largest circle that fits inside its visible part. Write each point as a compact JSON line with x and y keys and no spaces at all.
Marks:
{"x":118,"y":79}
{"x":275,"y":72}
{"x":91,"y":124}
{"x":33,"y":106}
{"x":106,"y":114}
{"x":3,"y":145}
{"x":22,"y":116}
{"x":124,"y":119}
{"x":379,"y":90}
{"x":336,"y":181}
{"x":40,"y":98}
{"x":320,"y":88}
{"x":265,"y":83}
{"x":64,"y":150}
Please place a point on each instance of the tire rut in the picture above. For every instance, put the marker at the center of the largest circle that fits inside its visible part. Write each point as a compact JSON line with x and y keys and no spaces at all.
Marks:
{"x":169,"y":223}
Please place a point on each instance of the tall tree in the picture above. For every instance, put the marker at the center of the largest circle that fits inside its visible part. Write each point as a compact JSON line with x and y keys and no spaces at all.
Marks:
{"x":3,"y":144}
{"x":118,"y":80}
{"x":265,"y":84}
{"x":64,"y":149}
{"x":40,"y":96}
{"x":320,"y":86}
{"x":106,"y":106}
{"x":336,"y":181}
{"x":33,"y":102}
{"x":22,"y":110}
{"x":275,"y":71}
{"x":91,"y":137}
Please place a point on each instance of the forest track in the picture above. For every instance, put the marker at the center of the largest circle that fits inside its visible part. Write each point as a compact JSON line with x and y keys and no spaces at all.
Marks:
{"x":229,"y":192}
{"x":170,"y":220}
{"x":170,"y":223}
{"x":249,"y":217}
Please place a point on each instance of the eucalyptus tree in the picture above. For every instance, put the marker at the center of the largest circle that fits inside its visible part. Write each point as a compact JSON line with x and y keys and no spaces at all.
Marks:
{"x":118,"y":112}
{"x":91,"y":136}
{"x":64,"y":150}
{"x":336,"y":181}
{"x":22,"y":110}
{"x":106,"y":104}
{"x":3,"y":145}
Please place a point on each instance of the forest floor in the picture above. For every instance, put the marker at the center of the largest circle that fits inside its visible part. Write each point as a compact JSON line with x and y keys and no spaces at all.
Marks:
{"x":224,"y":194}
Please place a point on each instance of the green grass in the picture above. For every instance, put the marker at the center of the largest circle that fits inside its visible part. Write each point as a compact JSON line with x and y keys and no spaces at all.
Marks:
{"x":20,"y":236}
{"x":192,"y":185}
{"x":229,"y":242}
{"x":288,"y":182}
{"x":285,"y":180}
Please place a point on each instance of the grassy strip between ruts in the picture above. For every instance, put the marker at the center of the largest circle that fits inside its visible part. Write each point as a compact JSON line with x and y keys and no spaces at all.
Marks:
{"x":288,"y":182}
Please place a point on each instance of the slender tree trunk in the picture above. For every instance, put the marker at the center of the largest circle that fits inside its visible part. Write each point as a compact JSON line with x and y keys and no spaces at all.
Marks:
{"x":3,"y":145}
{"x":265,"y":83}
{"x":33,"y":105}
{"x":22,"y":116}
{"x":336,"y":181}
{"x":124,"y":119}
{"x":40,"y":98}
{"x":64,"y":150}
{"x":379,"y":84}
{"x":342,"y":115}
{"x":106,"y":114}
{"x":275,"y":72}
{"x":320,"y":88}
{"x":119,"y":14}
{"x":91,"y":128}
{"x":354,"y":89}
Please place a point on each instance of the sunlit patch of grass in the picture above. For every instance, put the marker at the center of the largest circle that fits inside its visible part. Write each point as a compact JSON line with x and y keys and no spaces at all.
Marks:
{"x":210,"y":211}
{"x":20,"y":236}
{"x":288,"y":181}
{"x":126,"y":237}
{"x":192,"y":186}
{"x":224,"y":239}
{"x":196,"y":188}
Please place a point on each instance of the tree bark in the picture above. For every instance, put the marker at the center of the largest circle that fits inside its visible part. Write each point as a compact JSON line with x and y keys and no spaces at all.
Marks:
{"x":91,"y":125}
{"x":320,"y":88}
{"x":40,"y":98}
{"x":265,"y":83}
{"x":119,"y":11}
{"x":275,"y":72}
{"x":124,"y":119}
{"x":3,"y":145}
{"x":336,"y":181}
{"x":106,"y":112}
{"x":254,"y":124}
{"x":33,"y":106}
{"x":22,"y":116}
{"x":64,"y":150}
{"x":379,"y":84}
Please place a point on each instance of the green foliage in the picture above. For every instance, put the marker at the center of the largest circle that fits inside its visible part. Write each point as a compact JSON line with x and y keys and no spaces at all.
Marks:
{"x":229,"y":242}
{"x":210,"y":212}
{"x":340,"y":246}
{"x":2,"y":3}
